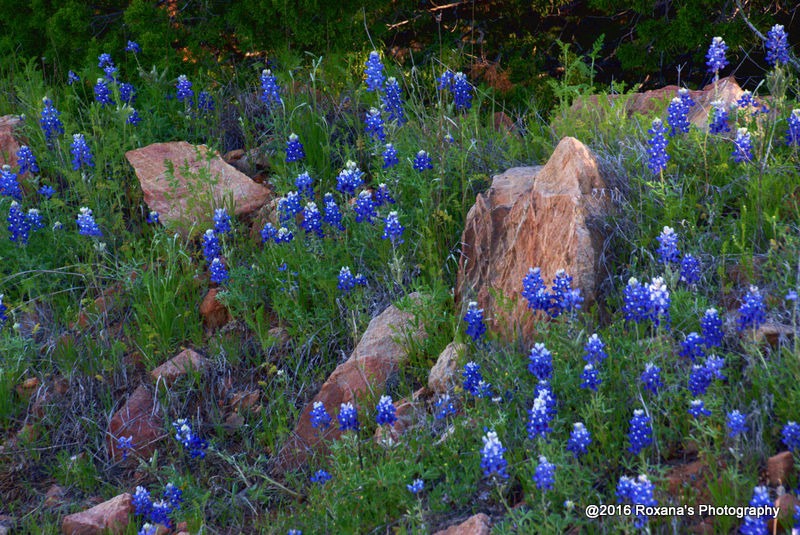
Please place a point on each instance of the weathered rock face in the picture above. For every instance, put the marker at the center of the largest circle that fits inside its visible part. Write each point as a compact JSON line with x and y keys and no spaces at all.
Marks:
{"x":137,"y":419}
{"x":375,"y":357}
{"x":443,"y":375}
{"x":534,"y":216}
{"x":8,"y":143}
{"x":199,"y":183}
{"x":177,"y":366}
{"x":475,"y":525}
{"x":108,"y":517}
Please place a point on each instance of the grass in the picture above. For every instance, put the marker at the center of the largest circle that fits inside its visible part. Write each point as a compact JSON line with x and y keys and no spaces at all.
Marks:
{"x":741,"y":220}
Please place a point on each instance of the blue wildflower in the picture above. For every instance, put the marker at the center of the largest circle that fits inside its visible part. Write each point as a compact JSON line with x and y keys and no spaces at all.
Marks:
{"x":422,"y":161}
{"x":332,"y":216}
{"x":651,"y":378}
{"x":564,"y":298}
{"x":544,"y":476}
{"x":790,"y":435}
{"x":222,"y":221}
{"x":625,"y":488}
{"x":173,"y":495}
{"x":735,"y":422}
{"x":72,"y":78}
{"x":211,"y":246}
{"x":185,"y":93}
{"x":700,"y":379}
{"x":347,"y":281}
{"x":320,"y":419}
{"x":86,"y":223}
{"x":373,"y":125}
{"x":127,"y":93}
{"x":294,"y":149}
{"x":444,"y":407}
{"x":659,"y":301}
{"x":50,"y":122}
{"x":637,"y":305}
{"x":718,"y":123}
{"x":540,"y":362}
{"x":544,"y":390}
{"x":46,"y":191}
{"x":321,"y":477}
{"x":392,"y":229}
{"x":26,"y":160}
{"x":270,"y":91}
{"x":153,"y":217}
{"x":714,"y":365}
{"x":142,"y":502}
{"x":678,"y":117}
{"x":539,"y":417}
{"x":125,"y":445}
{"x":268,"y":233}
{"x":365,"y":208}
{"x":104,"y":60}
{"x":284,"y":235}
{"x":753,"y":526}
{"x":18,"y":224}
{"x":474,"y":319}
{"x":9,"y":185}
{"x":742,"y":146}
{"x":219,"y":273}
{"x":692,"y":347}
{"x":642,"y":494}
{"x":3,"y":310}
{"x":640,"y":434}
{"x":348,"y":419}
{"x":579,"y":440}
{"x":390,"y":154}
{"x":535,"y":291}
{"x":312,"y":219}
{"x":690,"y":269}
{"x":349,"y":178}
{"x":205,"y":102}
{"x":595,"y":350}
{"x":133,"y":47}
{"x":289,"y":207}
{"x":305,"y":185}
{"x":668,"y":246}
{"x":752,"y":312}
{"x":590,"y":378}
{"x":373,"y":72}
{"x":191,"y":442}
{"x":446,"y":80}
{"x":416,"y":486}
{"x":793,"y":132}
{"x":658,"y":148}
{"x":386,"y":411}
{"x":382,"y":195}
{"x":473,"y":380}
{"x":711,"y":327}
{"x":777,"y":46}
{"x":715,"y":57}
{"x":392,"y":101}
{"x":81,"y":155}
{"x":492,"y":461}
{"x":462,"y":91}
{"x":133,"y":117}
{"x":697,"y":408}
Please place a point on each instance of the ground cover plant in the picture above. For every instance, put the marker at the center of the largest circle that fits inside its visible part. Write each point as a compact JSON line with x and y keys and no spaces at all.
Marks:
{"x":688,"y":356}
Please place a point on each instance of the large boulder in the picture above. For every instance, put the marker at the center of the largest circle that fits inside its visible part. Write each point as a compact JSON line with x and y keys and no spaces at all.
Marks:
{"x":184,"y":183}
{"x":111,"y":516}
{"x":529,"y":217}
{"x":375,"y":358}
{"x":8,"y":143}
{"x":138,"y":419}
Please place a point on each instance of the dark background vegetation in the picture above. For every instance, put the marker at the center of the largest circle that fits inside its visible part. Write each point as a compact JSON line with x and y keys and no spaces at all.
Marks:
{"x":509,"y":44}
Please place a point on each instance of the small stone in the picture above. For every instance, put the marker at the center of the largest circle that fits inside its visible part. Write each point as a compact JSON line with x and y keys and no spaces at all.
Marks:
{"x":54,"y":496}
{"x":108,"y":517}
{"x":138,"y":419}
{"x":780,"y":468}
{"x":443,"y":375}
{"x":475,"y":525}
{"x":177,"y":366}
{"x":214,"y":313}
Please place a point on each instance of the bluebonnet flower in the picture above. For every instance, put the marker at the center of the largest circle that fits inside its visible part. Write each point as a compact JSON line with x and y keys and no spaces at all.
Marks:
{"x":735,"y":423}
{"x":270,"y":91}
{"x":284,"y":235}
{"x":348,"y":419}
{"x":474,"y":319}
{"x":678,"y":117}
{"x":642,"y":494}
{"x":312,"y":219}
{"x":711,"y":327}
{"x":191,"y":442}
{"x":133,"y":47}
{"x":72,"y":78}
{"x":173,"y":495}
{"x":692,"y":347}
{"x":386,"y":411}
{"x":184,"y":90}
{"x":640,"y":434}
{"x":422,"y":161}
{"x":659,"y":301}
{"x":462,"y":91}
{"x":104,"y":60}
{"x":742,"y":146}
{"x":714,"y":365}
{"x":595,"y":350}
{"x":761,"y":497}
{"x":373,"y":72}
{"x":793,"y":132}
{"x":347,"y":281}
{"x":81,"y":155}
{"x":746,"y":100}
{"x":321,"y":477}
{"x":700,"y":379}
{"x":46,"y":191}
{"x":392,"y":229}
{"x":390,"y":154}
{"x":544,"y":476}
{"x":305,"y":185}
{"x":415,"y":487}
{"x":564,"y":298}
{"x":153,"y":217}
{"x":590,"y":378}
{"x":668,"y":246}
{"x":625,"y":488}
{"x":18,"y":225}
{"x":3,"y":310}
{"x":752,"y":312}
{"x":125,"y":445}
{"x":651,"y":378}
{"x":544,"y":391}
{"x":791,"y":295}
{"x":753,"y":526}
{"x":35,"y":219}
{"x":382,"y":196}
{"x":658,"y":148}
{"x":294,"y":149}
{"x":444,"y":407}
{"x":205,"y":102}
{"x":320,"y":419}
{"x":446,"y":80}
{"x":294,"y":532}
{"x":148,"y":529}
{"x":211,"y":246}
{"x":289,"y":207}
{"x":535,"y":291}
{"x":715,"y":57}
{"x":141,"y":502}
{"x":102,"y":94}
{"x":777,"y":46}
{"x":690,"y":269}
{"x":50,"y":122}
{"x":637,"y":305}
{"x":133,"y":117}
{"x":473,"y":380}
{"x":539,"y":418}
{"x":685,"y":97}
{"x":365,"y":208}
{"x":222,"y":221}
{"x":349,"y":178}
{"x":9,"y":185}
{"x":26,"y":160}
{"x":492,"y":461}
{"x":790,"y":435}
{"x":332,"y":216}
{"x":127,"y":93}
{"x":579,"y":440}
{"x":86,"y":223}
{"x":219,"y":273}
{"x":697,"y":408}
{"x":719,"y":118}
{"x":540,"y":363}
{"x":392,"y":101}
{"x":373,"y":125}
